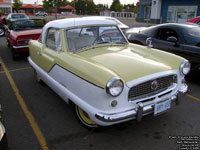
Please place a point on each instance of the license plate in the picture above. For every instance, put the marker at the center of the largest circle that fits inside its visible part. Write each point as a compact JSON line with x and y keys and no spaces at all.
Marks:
{"x":162,"y":106}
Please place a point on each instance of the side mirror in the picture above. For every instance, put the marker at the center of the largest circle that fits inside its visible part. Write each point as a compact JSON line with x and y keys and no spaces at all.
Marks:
{"x":149,"y":42}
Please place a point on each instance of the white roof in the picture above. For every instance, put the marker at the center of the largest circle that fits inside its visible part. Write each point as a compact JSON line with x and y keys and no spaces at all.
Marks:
{"x":72,"y":22}
{"x":75,"y":22}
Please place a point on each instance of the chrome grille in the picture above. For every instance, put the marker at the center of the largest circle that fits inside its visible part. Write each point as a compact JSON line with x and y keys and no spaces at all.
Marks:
{"x":145,"y":89}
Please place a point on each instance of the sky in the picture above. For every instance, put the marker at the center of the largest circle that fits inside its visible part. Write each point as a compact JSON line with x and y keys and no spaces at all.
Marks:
{"x":109,"y":2}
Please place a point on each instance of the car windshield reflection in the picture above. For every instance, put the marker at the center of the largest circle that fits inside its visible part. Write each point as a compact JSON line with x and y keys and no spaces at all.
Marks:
{"x":192,"y":36}
{"x":85,"y":37}
{"x":27,"y":24}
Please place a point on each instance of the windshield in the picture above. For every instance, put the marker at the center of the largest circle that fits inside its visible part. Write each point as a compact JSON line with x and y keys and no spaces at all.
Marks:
{"x":192,"y":36}
{"x":80,"y":38}
{"x":19,"y":16}
{"x":27,"y":24}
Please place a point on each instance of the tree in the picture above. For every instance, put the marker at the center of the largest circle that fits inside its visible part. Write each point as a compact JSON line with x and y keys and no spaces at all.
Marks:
{"x":54,"y":4}
{"x":129,"y":7}
{"x":116,"y":6}
{"x":47,"y":5}
{"x":136,"y":10}
{"x":91,"y":7}
{"x":84,"y":6}
{"x":17,"y":4}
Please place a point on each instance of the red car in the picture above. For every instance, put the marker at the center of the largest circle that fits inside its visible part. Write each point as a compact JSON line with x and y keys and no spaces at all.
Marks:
{"x":20,"y":32}
{"x":194,"y":20}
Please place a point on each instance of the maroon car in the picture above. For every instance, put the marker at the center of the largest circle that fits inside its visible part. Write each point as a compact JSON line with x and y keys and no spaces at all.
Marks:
{"x":20,"y":32}
{"x":194,"y":20}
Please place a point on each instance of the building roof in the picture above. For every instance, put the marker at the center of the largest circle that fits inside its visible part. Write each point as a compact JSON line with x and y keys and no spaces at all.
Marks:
{"x":31,"y":6}
{"x":66,"y":7}
{"x":75,"y":22}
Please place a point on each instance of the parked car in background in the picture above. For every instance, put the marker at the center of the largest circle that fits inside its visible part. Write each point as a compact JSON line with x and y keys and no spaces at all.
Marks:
{"x":2,"y":29}
{"x":121,"y":25}
{"x":20,"y":32}
{"x":194,"y":20}
{"x":181,"y":39}
{"x":89,"y":62}
{"x":1,"y":19}
{"x":41,"y":13}
{"x":15,"y":16}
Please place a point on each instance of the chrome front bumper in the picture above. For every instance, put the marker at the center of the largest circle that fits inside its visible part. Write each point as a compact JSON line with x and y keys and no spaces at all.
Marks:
{"x":25,"y":46}
{"x":140,"y":111}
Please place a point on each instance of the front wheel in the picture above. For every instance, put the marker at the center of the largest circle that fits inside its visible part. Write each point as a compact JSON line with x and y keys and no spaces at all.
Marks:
{"x":37,"y":77}
{"x":2,"y":31}
{"x":84,"y":118}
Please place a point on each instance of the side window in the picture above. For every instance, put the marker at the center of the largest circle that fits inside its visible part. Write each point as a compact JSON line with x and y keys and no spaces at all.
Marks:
{"x":198,"y":22}
{"x":53,"y":40}
{"x":163,"y":34}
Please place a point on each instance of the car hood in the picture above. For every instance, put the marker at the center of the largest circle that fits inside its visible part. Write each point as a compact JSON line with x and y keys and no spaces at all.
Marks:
{"x":122,"y":26}
{"x":33,"y":34}
{"x":131,"y":61}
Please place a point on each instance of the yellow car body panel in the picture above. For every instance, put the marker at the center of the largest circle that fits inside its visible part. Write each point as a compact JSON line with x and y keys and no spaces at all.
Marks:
{"x":99,"y":64}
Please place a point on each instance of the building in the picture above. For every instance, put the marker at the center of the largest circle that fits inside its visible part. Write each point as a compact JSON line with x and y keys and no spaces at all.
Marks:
{"x":30,"y":9}
{"x":5,"y":6}
{"x":160,"y":11}
{"x":117,"y":14}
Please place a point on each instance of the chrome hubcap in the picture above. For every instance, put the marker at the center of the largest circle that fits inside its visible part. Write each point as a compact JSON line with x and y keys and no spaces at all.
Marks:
{"x":1,"y":32}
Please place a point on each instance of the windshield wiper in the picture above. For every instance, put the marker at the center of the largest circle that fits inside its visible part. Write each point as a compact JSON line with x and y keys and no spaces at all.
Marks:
{"x":103,"y":42}
{"x":120,"y":42}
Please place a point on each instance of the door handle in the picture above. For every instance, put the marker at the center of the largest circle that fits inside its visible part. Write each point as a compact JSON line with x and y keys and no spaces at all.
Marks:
{"x":38,"y":53}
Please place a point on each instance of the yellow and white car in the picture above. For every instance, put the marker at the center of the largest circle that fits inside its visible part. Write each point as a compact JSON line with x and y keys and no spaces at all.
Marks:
{"x":90,"y":62}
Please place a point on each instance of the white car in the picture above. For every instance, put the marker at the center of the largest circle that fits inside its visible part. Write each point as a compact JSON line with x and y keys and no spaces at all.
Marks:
{"x":89,"y":62}
{"x":41,"y":13}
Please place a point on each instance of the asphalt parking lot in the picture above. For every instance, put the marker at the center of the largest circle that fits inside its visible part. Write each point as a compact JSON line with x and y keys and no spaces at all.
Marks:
{"x":37,"y":118}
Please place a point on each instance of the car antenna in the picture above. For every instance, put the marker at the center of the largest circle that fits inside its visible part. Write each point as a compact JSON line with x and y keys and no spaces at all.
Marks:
{"x":74,"y":10}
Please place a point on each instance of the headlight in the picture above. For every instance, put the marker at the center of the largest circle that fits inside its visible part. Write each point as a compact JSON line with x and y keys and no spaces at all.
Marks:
{"x":23,"y":42}
{"x":114,"y":87}
{"x":185,"y":67}
{"x":2,"y":130}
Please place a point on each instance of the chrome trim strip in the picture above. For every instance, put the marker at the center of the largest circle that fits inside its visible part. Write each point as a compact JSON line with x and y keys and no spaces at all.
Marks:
{"x":26,"y":46}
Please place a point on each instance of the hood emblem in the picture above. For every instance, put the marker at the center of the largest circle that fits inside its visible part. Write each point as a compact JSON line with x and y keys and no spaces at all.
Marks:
{"x":154,"y":85}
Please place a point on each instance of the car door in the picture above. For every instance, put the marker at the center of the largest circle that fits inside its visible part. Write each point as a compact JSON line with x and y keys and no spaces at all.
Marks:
{"x":161,"y":41}
{"x":51,"y":49}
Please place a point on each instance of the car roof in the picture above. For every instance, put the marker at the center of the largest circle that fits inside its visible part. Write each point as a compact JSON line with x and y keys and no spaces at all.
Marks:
{"x":76,"y":22}
{"x":175,"y":25}
{"x":73,"y":22}
{"x":17,"y":13}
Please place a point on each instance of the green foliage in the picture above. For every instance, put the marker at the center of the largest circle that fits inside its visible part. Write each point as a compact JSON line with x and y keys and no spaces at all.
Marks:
{"x":17,"y":4}
{"x":116,"y":6}
{"x":129,"y":7}
{"x":49,"y":4}
{"x":84,"y":7}
{"x":136,"y":10}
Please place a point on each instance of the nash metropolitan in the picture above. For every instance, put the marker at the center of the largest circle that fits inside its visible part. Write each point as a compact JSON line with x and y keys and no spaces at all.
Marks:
{"x":108,"y":79}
